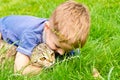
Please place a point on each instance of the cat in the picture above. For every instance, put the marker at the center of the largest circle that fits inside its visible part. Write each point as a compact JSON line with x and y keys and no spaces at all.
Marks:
{"x":42,"y":55}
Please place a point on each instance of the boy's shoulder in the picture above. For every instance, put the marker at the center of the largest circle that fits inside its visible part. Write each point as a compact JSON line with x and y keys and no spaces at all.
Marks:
{"x":22,"y":21}
{"x":22,"y":17}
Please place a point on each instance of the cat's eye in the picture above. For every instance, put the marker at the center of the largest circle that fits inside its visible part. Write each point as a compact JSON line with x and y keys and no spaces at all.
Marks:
{"x":52,"y":54}
{"x":43,"y":58}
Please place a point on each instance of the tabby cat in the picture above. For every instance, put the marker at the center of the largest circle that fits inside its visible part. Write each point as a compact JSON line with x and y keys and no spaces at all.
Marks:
{"x":42,"y":55}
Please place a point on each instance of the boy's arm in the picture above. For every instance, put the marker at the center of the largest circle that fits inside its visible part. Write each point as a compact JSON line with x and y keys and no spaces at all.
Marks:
{"x":21,"y":63}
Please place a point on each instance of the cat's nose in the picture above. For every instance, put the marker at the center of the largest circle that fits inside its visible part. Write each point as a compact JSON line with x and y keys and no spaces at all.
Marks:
{"x":51,"y":61}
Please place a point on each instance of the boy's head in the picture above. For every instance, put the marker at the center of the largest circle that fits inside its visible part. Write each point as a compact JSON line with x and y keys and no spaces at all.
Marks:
{"x":69,"y":25}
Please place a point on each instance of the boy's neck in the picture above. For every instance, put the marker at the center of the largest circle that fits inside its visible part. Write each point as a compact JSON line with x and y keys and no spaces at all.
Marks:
{"x":43,"y":37}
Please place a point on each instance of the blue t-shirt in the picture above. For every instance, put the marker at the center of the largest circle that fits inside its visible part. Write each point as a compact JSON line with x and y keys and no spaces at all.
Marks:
{"x":24,"y":31}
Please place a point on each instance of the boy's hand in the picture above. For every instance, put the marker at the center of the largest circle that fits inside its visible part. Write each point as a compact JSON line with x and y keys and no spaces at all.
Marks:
{"x":22,"y":65}
{"x":21,"y":61}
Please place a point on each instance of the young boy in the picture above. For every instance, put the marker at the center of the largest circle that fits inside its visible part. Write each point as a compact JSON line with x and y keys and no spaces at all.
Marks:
{"x":66,"y":29}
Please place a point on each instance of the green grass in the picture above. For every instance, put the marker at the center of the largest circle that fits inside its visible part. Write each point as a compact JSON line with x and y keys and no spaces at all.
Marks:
{"x":101,"y":51}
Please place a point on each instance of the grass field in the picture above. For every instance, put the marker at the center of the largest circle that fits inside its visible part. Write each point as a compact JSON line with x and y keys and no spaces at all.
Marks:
{"x":102,"y":50}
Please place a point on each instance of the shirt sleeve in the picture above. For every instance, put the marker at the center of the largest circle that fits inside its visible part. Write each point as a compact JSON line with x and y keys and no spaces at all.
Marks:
{"x":27,"y":42}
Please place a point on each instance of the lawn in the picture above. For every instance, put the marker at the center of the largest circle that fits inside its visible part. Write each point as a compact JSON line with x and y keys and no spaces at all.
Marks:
{"x":102,"y":50}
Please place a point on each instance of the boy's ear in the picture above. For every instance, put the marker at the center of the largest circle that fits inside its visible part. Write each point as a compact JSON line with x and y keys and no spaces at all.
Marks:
{"x":47,"y":25}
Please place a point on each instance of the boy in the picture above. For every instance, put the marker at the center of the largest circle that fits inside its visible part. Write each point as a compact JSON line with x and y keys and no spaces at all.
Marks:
{"x":67,"y":28}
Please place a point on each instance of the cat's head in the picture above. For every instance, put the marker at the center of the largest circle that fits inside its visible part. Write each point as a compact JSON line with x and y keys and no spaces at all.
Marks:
{"x":43,"y":56}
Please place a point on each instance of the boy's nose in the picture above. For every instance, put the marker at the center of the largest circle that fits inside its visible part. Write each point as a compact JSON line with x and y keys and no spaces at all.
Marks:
{"x":60,"y":51}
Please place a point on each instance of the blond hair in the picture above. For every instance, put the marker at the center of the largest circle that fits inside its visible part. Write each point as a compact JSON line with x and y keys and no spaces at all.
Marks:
{"x":71,"y":20}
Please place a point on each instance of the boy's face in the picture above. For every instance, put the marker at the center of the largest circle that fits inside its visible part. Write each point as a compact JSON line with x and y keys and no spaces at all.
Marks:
{"x":58,"y":47}
{"x":54,"y":43}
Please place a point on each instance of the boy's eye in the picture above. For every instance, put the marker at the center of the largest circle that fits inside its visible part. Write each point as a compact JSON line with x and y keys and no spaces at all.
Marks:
{"x":57,"y":46}
{"x":43,"y":58}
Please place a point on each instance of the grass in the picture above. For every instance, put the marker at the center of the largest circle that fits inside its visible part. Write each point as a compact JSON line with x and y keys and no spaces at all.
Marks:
{"x":102,"y":50}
